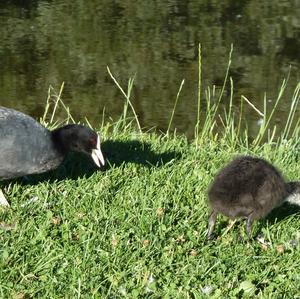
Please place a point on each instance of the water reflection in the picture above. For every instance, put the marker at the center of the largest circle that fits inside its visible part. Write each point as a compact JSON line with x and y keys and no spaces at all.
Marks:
{"x":47,"y":42}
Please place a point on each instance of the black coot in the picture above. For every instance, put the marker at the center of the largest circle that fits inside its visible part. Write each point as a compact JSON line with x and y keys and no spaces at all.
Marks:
{"x":248,"y":187}
{"x":26,"y":147}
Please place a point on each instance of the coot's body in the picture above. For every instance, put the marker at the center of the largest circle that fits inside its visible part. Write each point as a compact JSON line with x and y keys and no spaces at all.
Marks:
{"x":247,"y":187}
{"x":26,"y":146}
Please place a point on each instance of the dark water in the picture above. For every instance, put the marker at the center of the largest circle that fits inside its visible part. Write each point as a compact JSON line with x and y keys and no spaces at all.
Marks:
{"x":48,"y":42}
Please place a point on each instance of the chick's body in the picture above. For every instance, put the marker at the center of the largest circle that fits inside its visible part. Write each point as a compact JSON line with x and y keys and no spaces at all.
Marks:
{"x":246,"y":187}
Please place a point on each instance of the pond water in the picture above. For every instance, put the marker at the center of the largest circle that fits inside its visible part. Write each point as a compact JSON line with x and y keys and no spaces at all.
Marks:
{"x":49,"y":42}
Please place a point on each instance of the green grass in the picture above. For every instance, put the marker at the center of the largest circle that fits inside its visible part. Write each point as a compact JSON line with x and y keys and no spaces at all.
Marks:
{"x":140,"y":218}
{"x":136,"y":229}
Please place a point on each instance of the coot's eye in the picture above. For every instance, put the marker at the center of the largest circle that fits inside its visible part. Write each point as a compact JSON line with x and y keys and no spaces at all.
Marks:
{"x":93,"y":141}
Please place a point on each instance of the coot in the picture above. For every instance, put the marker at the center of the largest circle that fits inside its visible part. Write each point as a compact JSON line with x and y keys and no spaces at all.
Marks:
{"x":26,"y":147}
{"x":248,"y":187}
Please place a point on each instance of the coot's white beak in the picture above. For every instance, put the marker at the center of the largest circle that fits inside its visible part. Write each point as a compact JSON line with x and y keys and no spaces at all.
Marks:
{"x":97,"y":154}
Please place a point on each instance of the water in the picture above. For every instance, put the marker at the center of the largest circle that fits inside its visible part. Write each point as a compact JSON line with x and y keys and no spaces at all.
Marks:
{"x":49,"y":42}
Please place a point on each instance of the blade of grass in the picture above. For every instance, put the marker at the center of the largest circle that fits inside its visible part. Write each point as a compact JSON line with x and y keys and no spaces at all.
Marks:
{"x":292,"y":111}
{"x":199,"y":91}
{"x":56,"y":102}
{"x":127,"y":96}
{"x":175,"y":105}
{"x":252,"y":106}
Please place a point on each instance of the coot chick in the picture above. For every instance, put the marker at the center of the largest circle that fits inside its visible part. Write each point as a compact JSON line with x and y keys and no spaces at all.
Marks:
{"x":248,"y":187}
{"x":26,"y":147}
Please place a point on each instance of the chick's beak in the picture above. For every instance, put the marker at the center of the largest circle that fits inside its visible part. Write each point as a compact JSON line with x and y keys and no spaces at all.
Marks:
{"x":97,"y":154}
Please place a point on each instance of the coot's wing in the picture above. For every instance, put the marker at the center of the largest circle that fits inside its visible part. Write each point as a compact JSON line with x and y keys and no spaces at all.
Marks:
{"x":26,"y":146}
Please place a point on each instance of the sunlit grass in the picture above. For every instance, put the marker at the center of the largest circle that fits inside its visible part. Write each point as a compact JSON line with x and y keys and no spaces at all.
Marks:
{"x":136,"y":229}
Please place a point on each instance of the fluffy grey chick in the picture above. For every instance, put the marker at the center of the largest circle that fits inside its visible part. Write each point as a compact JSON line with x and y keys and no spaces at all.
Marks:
{"x":248,"y":187}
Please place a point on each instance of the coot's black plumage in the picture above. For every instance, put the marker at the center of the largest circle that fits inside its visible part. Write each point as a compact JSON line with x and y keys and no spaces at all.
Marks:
{"x":26,"y":147}
{"x":248,"y":187}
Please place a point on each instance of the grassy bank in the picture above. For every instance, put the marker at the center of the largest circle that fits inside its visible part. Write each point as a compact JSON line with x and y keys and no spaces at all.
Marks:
{"x":136,"y":229}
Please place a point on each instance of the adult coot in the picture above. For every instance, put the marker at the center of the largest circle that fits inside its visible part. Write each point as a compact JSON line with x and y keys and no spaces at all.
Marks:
{"x":26,"y":147}
{"x":248,"y":187}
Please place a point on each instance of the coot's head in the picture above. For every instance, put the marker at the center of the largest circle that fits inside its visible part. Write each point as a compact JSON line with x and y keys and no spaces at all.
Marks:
{"x":79,"y":138}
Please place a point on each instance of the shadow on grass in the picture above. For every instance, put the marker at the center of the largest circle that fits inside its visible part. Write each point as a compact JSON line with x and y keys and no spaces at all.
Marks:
{"x":277,"y":215}
{"x":77,"y":165}
{"x":282,"y":212}
{"x":134,"y":151}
